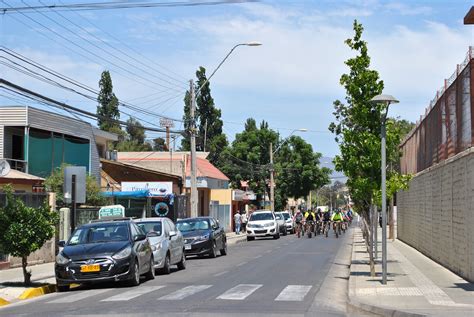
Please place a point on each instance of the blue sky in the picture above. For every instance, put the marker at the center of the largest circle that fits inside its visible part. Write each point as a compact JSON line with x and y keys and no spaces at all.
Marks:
{"x":290,"y":81}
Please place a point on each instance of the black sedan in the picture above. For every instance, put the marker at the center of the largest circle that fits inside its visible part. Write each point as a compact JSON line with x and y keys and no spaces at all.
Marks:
{"x":104,"y":251}
{"x":203,"y":236}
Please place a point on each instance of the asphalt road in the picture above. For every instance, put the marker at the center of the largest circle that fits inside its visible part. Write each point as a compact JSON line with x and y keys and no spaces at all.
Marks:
{"x":265,"y":277}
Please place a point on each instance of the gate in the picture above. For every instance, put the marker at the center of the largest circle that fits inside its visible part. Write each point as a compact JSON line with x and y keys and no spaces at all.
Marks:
{"x":221,"y":213}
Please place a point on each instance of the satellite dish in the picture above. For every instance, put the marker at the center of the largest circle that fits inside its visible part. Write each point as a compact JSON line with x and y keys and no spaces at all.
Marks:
{"x":4,"y":168}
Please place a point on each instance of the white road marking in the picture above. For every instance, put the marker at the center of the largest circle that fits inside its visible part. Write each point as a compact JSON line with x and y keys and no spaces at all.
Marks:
{"x":240,"y":291}
{"x":243,"y":263}
{"x":77,"y":296}
{"x":221,"y":273}
{"x":258,"y":256}
{"x":185,"y":292}
{"x":295,"y":293}
{"x":133,"y":293}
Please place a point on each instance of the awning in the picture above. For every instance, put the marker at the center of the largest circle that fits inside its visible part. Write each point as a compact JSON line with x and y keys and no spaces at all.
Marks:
{"x":130,"y":194}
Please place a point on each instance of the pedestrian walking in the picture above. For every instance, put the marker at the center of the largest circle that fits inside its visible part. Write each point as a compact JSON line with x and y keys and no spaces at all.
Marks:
{"x":237,"y":222}
{"x":243,"y":220}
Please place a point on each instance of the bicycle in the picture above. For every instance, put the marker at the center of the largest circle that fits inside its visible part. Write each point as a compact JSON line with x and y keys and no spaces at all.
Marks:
{"x":309,"y":228}
{"x":298,"y":226}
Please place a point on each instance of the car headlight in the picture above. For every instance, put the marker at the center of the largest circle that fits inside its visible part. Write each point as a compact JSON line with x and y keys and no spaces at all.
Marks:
{"x":122,"y":254}
{"x":270,"y":224}
{"x":61,"y":259}
{"x":156,"y":247}
{"x":251,"y":225}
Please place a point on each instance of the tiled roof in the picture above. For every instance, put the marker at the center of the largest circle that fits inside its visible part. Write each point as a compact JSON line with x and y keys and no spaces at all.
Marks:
{"x":205,"y":169}
{"x":14,"y":174}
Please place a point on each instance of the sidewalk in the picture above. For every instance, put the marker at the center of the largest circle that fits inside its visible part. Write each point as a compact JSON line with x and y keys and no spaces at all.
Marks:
{"x":233,"y":238}
{"x":11,"y":280}
{"x":416,"y":285}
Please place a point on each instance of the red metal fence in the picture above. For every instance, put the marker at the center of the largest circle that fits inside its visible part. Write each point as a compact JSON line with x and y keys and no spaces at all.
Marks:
{"x":447,"y":126}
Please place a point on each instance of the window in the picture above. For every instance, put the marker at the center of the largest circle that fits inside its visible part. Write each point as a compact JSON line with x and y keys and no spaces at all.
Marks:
{"x":261,"y":216}
{"x":155,"y":226}
{"x":100,"y":233}
{"x":192,"y":225}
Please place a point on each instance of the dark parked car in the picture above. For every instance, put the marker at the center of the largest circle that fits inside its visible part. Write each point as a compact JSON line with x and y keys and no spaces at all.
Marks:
{"x":104,"y":251}
{"x":203,"y":235}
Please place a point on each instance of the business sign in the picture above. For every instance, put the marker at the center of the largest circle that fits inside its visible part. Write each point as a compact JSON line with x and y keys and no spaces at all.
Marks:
{"x":113,"y":211}
{"x":166,"y":123}
{"x":155,"y":188}
{"x":162,"y":209}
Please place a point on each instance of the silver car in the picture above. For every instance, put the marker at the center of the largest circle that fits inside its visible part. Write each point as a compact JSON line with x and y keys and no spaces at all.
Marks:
{"x":166,"y":242}
{"x":281,"y":222}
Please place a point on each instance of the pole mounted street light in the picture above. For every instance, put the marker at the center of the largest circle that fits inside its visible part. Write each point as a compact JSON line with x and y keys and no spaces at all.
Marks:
{"x":387,"y":100}
{"x":272,"y":170}
{"x":194,"y":94}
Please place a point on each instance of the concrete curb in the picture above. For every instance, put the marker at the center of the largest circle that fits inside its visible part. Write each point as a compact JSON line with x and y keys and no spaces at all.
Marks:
{"x":379,"y":310}
{"x":236,"y":240}
{"x":38,"y":291}
{"x":3,"y":302}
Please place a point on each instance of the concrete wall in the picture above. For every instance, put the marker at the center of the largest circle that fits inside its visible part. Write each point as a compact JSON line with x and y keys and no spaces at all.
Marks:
{"x":436,"y":214}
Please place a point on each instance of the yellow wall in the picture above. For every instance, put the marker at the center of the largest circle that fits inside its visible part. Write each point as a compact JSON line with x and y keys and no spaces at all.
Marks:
{"x":223,"y":196}
{"x":24,"y":187}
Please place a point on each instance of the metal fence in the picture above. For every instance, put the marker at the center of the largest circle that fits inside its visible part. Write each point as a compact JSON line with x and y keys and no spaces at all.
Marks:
{"x":446,"y":129}
{"x":34,"y":200}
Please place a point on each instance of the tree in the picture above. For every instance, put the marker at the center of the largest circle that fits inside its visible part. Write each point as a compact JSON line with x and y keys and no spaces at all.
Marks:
{"x":54,"y":183}
{"x":108,"y":104}
{"x":297,"y":169}
{"x":208,"y":120}
{"x":357,"y":129}
{"x":24,"y":229}
{"x":135,"y":130}
{"x":159,"y":144}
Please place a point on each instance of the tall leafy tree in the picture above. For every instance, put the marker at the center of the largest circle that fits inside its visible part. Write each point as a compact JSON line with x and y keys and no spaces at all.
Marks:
{"x":135,"y":130}
{"x":108,"y":104}
{"x":159,"y":144}
{"x":297,"y":170}
{"x":208,"y":120}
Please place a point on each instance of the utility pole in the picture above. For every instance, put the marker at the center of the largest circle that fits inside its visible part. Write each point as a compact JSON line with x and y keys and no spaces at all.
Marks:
{"x":272,"y":171}
{"x":194,"y":192}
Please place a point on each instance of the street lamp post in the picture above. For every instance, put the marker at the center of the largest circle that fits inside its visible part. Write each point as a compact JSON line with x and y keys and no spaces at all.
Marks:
{"x":194,"y":94}
{"x":387,"y":100}
{"x":272,"y":169}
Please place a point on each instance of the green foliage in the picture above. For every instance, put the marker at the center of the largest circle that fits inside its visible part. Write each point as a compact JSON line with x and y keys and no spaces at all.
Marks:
{"x":208,"y":121}
{"x":358,"y":125}
{"x":297,"y":168}
{"x":108,"y":104}
{"x":24,"y":229}
{"x":159,"y":144}
{"x":135,"y":130}
{"x":54,"y":183}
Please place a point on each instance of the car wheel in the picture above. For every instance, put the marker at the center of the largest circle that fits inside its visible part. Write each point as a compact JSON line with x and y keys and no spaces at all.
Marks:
{"x":277,"y":236}
{"x":135,"y":280}
{"x":250,"y":238}
{"x":224,"y":249}
{"x":182,"y":263}
{"x":213,"y":252}
{"x":150,"y":275}
{"x":62,"y":288}
{"x":166,"y":265}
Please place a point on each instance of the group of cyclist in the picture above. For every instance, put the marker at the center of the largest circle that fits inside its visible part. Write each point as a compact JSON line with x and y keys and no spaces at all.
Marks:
{"x":319,"y":222}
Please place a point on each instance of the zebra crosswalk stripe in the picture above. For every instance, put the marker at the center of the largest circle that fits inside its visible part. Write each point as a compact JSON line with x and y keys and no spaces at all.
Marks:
{"x":240,"y":292}
{"x":133,"y":293}
{"x":77,"y":296}
{"x":294,"y":293}
{"x":185,"y":292}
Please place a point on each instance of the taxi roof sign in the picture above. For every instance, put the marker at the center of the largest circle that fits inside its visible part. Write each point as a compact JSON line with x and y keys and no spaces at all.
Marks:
{"x":112,"y":211}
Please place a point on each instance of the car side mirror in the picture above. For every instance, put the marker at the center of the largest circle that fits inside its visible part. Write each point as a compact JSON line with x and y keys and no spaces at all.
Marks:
{"x":173,"y":234}
{"x":61,"y":243}
{"x":139,"y":237}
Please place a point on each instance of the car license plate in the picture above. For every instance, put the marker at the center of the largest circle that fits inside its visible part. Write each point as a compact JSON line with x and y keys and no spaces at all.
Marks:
{"x":187,"y":247}
{"x":90,"y":268}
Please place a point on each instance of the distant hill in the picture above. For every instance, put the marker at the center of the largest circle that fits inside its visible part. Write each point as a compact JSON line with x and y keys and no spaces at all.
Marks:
{"x":335,"y":176}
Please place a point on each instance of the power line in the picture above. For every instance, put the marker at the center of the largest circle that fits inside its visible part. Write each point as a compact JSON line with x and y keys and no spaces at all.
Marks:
{"x":142,"y":80}
{"x":36,"y":96}
{"x":76,"y":83}
{"x":131,"y":49}
{"x":145,"y":70}
{"x":118,"y":5}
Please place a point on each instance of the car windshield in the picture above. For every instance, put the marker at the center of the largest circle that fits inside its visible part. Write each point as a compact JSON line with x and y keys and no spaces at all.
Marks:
{"x":286,"y":216}
{"x":261,"y":216}
{"x":192,"y":225}
{"x":148,"y":226}
{"x":100,"y":233}
{"x":278,"y":216}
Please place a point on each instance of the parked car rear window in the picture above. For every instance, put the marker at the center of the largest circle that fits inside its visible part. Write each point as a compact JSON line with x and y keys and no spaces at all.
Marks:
{"x":107,"y":232}
{"x":148,"y":226}
{"x":192,"y":225}
{"x":261,"y":216}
